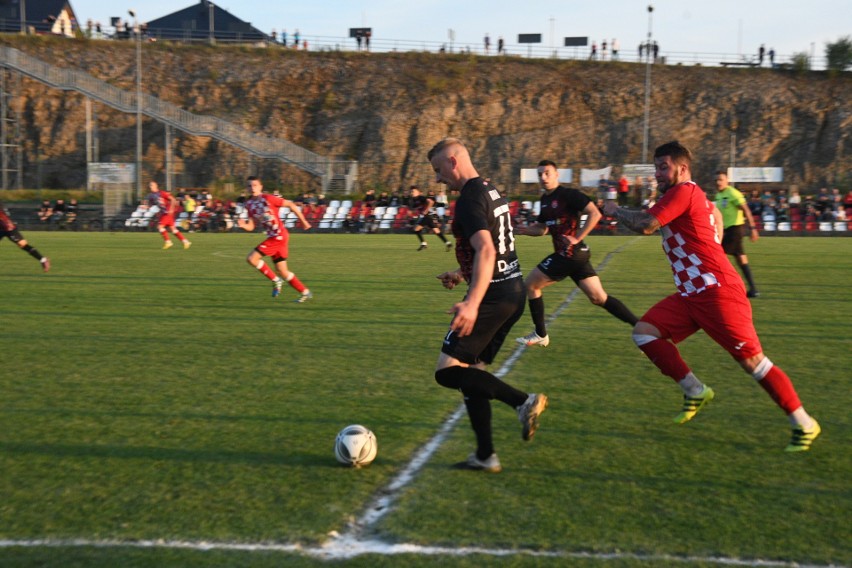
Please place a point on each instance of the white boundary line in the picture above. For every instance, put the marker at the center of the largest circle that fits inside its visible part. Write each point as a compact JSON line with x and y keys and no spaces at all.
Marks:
{"x":352,"y":542}
{"x":348,"y":547}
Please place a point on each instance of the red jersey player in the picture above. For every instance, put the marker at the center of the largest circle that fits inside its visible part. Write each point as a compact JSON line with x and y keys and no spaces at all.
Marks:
{"x":263,"y":209}
{"x":168,"y":205}
{"x":710,"y":296}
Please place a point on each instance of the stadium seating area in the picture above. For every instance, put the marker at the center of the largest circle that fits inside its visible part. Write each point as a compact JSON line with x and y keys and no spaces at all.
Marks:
{"x":799,"y":222}
{"x":343,"y":215}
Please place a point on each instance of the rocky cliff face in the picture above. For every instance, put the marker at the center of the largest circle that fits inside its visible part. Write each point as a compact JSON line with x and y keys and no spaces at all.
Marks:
{"x":386,"y":110}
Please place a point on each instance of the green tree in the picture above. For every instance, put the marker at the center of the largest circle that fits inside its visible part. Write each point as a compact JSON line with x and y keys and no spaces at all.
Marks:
{"x":801,"y":61}
{"x":839,"y":54}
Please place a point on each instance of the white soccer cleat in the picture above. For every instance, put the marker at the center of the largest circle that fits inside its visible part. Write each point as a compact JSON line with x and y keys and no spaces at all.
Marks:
{"x":534,"y":339}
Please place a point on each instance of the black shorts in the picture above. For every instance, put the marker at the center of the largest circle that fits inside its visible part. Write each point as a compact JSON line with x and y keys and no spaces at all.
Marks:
{"x":558,"y":268}
{"x":732,"y":240}
{"x":498,"y":312}
{"x":429,"y":220}
{"x":14,"y":235}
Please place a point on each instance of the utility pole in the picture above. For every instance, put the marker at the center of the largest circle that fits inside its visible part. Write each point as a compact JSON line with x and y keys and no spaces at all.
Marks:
{"x":648,"y":48}
{"x":138,"y":32}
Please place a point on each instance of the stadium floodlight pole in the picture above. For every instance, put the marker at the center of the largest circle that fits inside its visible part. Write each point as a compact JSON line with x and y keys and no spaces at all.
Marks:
{"x":23,"y":17}
{"x":138,"y":32}
{"x":647,"y":87}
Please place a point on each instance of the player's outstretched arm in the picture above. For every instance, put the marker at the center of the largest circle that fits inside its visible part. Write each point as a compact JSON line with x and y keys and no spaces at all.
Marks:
{"x":640,"y":222}
{"x":298,"y":211}
{"x":246,"y":224}
{"x":534,"y":230}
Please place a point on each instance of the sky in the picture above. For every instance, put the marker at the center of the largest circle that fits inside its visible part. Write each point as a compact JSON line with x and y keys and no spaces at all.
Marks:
{"x":687,"y":26}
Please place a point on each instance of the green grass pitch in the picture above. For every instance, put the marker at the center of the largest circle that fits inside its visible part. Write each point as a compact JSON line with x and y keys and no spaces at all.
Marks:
{"x":165,"y":396}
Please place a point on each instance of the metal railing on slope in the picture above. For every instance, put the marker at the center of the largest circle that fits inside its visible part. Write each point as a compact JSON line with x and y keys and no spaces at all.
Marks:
{"x":197,"y":125}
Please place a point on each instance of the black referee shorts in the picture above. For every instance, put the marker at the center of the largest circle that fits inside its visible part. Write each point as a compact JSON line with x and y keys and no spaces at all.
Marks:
{"x":732,"y":240}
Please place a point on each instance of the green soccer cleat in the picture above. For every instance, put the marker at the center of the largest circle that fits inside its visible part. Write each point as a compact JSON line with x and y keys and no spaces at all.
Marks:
{"x":692,"y":404}
{"x":802,"y":440}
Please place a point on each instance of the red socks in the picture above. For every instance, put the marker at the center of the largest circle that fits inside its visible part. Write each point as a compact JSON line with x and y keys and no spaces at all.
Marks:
{"x":297,"y":284}
{"x":779,"y":386}
{"x":666,"y":357}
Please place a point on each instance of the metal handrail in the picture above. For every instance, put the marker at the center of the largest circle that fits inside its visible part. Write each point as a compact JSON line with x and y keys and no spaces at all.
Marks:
{"x":168,"y":113}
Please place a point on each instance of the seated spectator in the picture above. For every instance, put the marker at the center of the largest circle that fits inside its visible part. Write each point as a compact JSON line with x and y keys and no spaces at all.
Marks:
{"x":441,"y":199}
{"x":782,"y":210}
{"x":840,"y":215}
{"x":848,"y":200}
{"x":823,"y":200}
{"x":204,"y":199}
{"x":370,"y":198}
{"x":45,"y":212}
{"x":836,"y":200}
{"x":219,"y":216}
{"x":383,"y":200}
{"x":768,"y":215}
{"x":795,"y":200}
{"x":755,"y":205}
{"x":352,"y":224}
{"x":58,"y":212}
{"x":526,"y":215}
{"x":71,"y":211}
{"x":396,"y":199}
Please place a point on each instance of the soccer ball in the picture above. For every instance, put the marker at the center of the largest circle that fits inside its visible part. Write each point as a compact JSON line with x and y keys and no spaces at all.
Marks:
{"x":355,"y":446}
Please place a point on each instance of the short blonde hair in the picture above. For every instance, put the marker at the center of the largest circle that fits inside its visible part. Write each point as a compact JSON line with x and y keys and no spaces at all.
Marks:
{"x":442,"y":145}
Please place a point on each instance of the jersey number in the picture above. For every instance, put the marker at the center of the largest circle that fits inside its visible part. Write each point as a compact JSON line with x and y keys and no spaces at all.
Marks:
{"x":506,"y":238}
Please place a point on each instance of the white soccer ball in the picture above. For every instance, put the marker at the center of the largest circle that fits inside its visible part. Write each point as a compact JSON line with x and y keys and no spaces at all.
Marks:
{"x":355,"y":446}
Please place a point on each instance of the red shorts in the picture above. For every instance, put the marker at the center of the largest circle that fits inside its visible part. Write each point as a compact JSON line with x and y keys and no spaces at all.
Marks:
{"x":166,"y":220}
{"x":276,"y":247}
{"x":723,"y":313}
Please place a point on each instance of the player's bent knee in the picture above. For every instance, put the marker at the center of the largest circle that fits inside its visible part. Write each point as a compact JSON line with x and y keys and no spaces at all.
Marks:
{"x":449,"y":377}
{"x":758,"y":366}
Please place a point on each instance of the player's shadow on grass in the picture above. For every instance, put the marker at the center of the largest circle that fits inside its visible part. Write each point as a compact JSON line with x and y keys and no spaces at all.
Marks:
{"x":167,"y":454}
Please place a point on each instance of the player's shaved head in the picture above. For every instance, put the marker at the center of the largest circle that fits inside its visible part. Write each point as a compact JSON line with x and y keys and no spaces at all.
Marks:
{"x":448,"y":147}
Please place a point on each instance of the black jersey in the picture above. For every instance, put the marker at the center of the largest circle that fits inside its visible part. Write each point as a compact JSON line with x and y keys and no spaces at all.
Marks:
{"x":419,"y":204}
{"x":561,"y":210}
{"x":6,"y":223}
{"x":481,"y":207}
